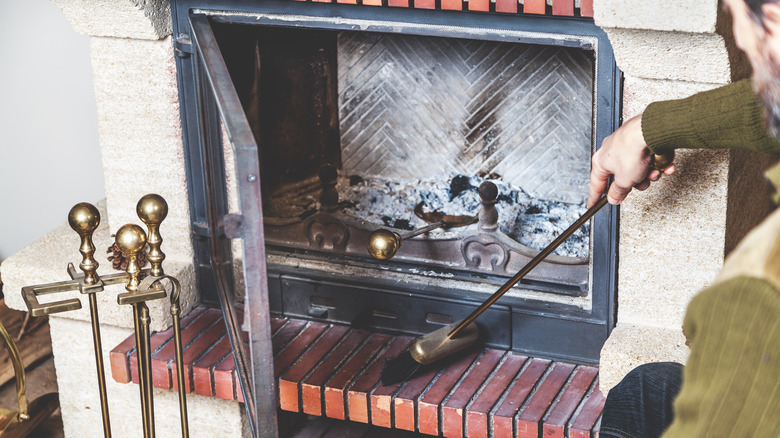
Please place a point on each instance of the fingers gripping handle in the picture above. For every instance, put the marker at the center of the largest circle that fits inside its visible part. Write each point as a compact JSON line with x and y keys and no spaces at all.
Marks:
{"x":663,"y":160}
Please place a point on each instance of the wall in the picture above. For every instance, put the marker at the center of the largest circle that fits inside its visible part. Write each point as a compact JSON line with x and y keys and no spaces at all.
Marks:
{"x":47,"y":109}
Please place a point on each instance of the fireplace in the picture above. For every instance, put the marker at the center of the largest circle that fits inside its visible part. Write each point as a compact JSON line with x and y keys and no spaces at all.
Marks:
{"x":140,"y":111}
{"x":343,"y":119}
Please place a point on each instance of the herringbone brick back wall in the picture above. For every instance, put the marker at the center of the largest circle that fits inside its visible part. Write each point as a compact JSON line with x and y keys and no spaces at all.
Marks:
{"x":420,"y":107}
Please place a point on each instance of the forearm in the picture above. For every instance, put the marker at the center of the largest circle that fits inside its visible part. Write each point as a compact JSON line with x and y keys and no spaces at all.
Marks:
{"x":726,"y":117}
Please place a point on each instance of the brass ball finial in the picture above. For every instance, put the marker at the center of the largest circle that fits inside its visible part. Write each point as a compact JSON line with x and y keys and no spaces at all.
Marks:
{"x":84,"y":218}
{"x":130,"y":239}
{"x":152,"y":209}
{"x":663,"y":160}
{"x":383,"y":244}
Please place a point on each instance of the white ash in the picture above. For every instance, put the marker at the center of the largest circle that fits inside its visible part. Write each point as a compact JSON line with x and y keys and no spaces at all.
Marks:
{"x":531,"y":221}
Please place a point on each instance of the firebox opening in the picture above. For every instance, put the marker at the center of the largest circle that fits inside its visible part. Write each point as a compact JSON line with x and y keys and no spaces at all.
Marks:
{"x":412,"y":119}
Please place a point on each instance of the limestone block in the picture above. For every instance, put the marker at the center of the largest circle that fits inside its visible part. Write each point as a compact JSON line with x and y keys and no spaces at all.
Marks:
{"x":640,"y":92}
{"x":672,"y":239}
{"x":682,"y":16}
{"x":140,"y":134}
{"x":140,"y":19}
{"x":671,"y":55}
{"x":80,"y":403}
{"x":45,"y":261}
{"x":632,"y":345}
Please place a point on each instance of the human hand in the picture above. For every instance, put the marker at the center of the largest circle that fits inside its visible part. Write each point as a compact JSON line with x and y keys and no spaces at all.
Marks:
{"x":625,"y":155}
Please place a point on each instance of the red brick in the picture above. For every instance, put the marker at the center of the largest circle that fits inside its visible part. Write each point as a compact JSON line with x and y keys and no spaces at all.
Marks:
{"x":335,"y":389}
{"x":286,"y":334}
{"x":277,"y":323}
{"x":555,"y":422}
{"x":398,"y":3}
{"x":479,"y":5}
{"x":452,"y":5}
{"x":298,"y":345}
{"x":224,"y":374}
{"x":289,"y":383}
{"x":428,"y":405}
{"x":312,"y":387}
{"x":358,"y":394}
{"x":405,"y":402}
{"x":322,"y":1}
{"x":477,"y":416}
{"x":372,"y":2}
{"x":425,"y":4}
{"x":582,"y":425}
{"x":351,"y":2}
{"x":203,"y":369}
{"x":452,"y":412}
{"x":534,"y":6}
{"x":161,"y":372}
{"x":223,"y":379}
{"x":502,"y":417}
{"x":506,"y":6}
{"x":194,"y":351}
{"x":586,"y":8}
{"x":120,"y":360}
{"x":160,"y":338}
{"x":528,"y":423}
{"x":563,"y":7}
{"x":382,"y":403}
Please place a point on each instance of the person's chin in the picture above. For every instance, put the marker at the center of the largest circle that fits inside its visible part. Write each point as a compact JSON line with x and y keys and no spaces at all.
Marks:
{"x":766,"y":83}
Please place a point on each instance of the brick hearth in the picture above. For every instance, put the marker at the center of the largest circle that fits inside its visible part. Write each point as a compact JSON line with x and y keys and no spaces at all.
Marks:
{"x":333,"y":371}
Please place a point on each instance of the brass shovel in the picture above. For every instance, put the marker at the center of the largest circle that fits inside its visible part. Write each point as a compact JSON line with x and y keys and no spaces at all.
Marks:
{"x":21,"y":423}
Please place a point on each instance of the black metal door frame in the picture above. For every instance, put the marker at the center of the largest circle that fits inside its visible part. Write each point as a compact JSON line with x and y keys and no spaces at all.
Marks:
{"x":207,"y":94}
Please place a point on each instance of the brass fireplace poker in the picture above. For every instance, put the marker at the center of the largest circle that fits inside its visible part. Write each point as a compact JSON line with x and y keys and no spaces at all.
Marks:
{"x":383,"y":243}
{"x":455,"y":337}
{"x":141,"y":285}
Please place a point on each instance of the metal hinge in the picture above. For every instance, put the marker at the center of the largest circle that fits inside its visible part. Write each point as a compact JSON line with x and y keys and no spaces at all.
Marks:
{"x":231,"y":226}
{"x":182,"y":46}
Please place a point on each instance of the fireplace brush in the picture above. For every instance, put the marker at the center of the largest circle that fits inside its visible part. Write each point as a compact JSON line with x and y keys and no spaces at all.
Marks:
{"x":455,"y":337}
{"x":142,"y":285}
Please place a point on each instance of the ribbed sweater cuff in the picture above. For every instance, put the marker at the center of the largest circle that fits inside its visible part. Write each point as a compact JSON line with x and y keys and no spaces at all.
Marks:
{"x":726,"y":117}
{"x":668,"y":125}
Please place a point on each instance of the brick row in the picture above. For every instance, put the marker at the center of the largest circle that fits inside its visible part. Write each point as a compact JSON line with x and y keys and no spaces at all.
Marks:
{"x":333,"y":371}
{"x":562,"y":8}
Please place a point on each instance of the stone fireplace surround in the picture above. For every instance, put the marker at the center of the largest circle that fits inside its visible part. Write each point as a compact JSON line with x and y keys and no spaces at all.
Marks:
{"x":672,"y":238}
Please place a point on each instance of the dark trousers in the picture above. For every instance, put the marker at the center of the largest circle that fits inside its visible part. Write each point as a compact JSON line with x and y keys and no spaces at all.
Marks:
{"x":640,"y":406}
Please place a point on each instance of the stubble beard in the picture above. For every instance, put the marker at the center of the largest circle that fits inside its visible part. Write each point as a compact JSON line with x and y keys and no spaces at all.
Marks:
{"x":766,"y":84}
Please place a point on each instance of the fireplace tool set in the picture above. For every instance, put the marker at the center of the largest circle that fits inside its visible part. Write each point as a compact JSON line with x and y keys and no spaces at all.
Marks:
{"x":455,"y":337}
{"x":141,"y":285}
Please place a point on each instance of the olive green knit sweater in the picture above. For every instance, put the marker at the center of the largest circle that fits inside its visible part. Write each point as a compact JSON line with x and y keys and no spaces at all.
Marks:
{"x":731,"y":383}
{"x":726,"y":117}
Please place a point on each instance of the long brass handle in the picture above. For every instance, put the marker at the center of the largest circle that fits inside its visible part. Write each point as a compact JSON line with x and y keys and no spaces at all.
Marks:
{"x":660,"y":162}
{"x":529,"y":266}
